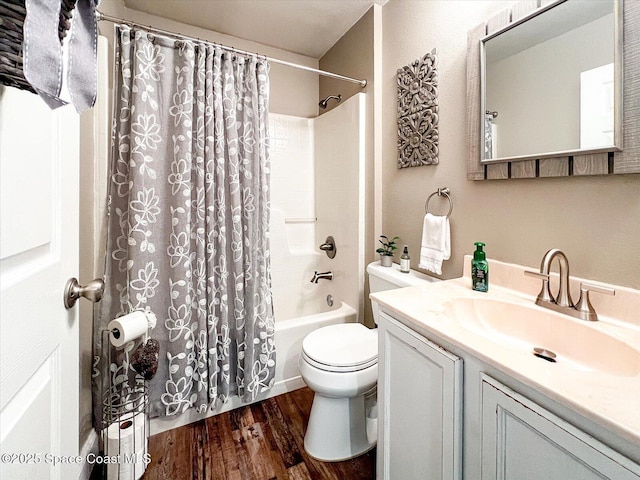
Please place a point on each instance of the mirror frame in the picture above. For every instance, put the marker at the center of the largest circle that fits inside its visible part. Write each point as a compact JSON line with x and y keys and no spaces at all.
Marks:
{"x":601,"y":161}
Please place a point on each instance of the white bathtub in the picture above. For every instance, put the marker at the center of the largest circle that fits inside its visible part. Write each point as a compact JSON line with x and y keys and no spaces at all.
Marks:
{"x":288,"y":336}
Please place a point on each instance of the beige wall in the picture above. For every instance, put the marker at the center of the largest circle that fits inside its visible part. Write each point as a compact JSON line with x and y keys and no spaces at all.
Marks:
{"x":595,"y":220}
{"x":353,"y":56}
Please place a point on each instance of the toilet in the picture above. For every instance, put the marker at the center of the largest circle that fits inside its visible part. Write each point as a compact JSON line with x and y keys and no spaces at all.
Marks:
{"x":340,"y":364}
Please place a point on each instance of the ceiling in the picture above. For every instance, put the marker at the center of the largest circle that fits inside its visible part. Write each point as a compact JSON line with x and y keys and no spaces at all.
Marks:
{"x":307,"y":27}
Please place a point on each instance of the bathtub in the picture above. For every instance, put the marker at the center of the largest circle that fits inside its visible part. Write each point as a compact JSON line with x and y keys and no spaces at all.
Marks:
{"x":288,"y":337}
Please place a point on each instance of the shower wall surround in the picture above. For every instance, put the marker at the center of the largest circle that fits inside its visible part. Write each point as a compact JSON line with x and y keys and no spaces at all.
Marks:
{"x":340,"y":197}
{"x":293,"y":214}
{"x":317,"y":190}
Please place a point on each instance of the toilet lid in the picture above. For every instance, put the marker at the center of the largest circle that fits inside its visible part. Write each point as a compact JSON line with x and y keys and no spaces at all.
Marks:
{"x":342,"y":347}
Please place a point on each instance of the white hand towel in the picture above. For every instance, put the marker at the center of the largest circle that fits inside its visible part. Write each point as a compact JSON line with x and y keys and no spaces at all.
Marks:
{"x":436,"y":243}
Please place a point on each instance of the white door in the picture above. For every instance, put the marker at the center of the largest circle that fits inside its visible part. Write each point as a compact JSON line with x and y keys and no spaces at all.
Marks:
{"x":38,"y":253}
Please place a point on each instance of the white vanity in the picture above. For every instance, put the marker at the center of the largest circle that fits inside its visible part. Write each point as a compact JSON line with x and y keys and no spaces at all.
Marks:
{"x":461,"y":394}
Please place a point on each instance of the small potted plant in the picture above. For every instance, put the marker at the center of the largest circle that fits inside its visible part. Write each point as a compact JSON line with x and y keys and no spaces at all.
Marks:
{"x":386,"y":250}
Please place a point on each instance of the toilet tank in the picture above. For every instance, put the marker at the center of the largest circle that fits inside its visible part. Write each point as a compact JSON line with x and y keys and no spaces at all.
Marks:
{"x":387,"y":278}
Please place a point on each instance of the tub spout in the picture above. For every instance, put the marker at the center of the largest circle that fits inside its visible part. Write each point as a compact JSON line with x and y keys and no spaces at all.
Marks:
{"x":318,"y":276}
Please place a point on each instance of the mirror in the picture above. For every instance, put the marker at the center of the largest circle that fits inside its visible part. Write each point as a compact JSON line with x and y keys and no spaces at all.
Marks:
{"x":551,"y":83}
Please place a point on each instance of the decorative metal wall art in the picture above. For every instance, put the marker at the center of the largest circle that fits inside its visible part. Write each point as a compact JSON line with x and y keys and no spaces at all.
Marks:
{"x":418,"y":112}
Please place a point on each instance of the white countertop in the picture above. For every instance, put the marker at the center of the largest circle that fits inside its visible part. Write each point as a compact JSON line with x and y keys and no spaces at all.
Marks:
{"x":610,"y":400}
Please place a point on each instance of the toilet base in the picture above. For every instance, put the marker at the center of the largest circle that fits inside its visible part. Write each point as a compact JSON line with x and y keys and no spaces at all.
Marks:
{"x":341,"y":428}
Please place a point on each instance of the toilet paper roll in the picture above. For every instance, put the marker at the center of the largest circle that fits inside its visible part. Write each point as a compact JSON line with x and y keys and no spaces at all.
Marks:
{"x":127,"y":441}
{"x":126,"y":328}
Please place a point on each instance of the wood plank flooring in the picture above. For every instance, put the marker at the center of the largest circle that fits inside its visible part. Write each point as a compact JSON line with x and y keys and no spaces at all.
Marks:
{"x":263,"y":441}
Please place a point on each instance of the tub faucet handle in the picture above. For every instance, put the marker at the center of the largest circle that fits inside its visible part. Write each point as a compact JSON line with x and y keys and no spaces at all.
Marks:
{"x":329,"y":247}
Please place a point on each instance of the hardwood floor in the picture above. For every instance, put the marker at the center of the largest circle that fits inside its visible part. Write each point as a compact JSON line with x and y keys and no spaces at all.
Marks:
{"x":263,"y":441}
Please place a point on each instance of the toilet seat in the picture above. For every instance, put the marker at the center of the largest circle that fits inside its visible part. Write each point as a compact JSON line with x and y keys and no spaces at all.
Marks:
{"x":345,"y":347}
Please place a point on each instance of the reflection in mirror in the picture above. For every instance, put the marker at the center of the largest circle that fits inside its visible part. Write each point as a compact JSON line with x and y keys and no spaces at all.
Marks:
{"x":549,"y":83}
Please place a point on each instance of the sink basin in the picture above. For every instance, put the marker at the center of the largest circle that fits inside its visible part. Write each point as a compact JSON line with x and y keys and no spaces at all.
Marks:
{"x":576,"y":344}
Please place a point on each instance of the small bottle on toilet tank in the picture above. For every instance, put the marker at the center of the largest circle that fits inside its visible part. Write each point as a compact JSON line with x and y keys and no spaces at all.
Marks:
{"x":405,"y":260}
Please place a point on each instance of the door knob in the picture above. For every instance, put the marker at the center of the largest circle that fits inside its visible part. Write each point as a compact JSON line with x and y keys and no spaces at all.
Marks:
{"x":91,"y":291}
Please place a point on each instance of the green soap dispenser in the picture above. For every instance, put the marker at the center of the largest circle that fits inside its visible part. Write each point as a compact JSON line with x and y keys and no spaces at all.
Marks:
{"x":479,"y":269}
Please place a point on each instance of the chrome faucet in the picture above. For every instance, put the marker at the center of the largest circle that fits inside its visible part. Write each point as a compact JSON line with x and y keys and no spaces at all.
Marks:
{"x":318,"y":276}
{"x":563,"y":303}
{"x":564,"y":295}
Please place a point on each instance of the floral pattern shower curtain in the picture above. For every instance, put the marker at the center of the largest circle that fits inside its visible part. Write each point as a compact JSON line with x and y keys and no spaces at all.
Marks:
{"x":188,"y":219}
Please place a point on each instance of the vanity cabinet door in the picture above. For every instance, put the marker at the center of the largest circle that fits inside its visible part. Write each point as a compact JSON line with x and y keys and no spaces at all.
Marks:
{"x":420,"y":402}
{"x":521,"y":440}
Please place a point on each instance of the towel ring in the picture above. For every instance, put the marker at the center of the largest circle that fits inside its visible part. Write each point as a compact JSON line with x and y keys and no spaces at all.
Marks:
{"x":440,"y":192}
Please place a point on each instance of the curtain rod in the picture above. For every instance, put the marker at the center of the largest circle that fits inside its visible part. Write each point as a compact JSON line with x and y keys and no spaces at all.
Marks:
{"x":103,"y":17}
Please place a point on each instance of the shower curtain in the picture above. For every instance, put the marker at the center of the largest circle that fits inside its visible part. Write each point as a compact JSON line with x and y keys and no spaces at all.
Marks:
{"x":489,"y":136}
{"x":188,"y":218}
